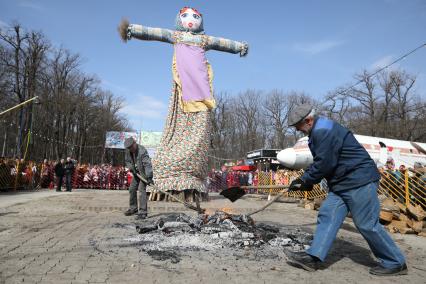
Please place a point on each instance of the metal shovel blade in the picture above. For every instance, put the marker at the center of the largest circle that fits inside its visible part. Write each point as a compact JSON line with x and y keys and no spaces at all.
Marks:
{"x":233,"y":193}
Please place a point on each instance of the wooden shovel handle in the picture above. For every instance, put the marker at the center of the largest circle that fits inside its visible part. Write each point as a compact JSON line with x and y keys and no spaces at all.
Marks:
{"x":270,"y":202}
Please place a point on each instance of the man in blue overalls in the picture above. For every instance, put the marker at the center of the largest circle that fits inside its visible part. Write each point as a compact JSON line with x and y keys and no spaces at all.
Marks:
{"x":353,"y":180}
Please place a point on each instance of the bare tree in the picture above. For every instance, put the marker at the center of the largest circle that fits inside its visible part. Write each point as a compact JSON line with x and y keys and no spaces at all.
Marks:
{"x":14,"y":40}
{"x":221,"y":125}
{"x":248,"y":106}
{"x":367,"y":97}
{"x":74,"y":113}
{"x":336,"y":106}
{"x":385,"y":105}
{"x":402,"y":85}
{"x":276,"y":112}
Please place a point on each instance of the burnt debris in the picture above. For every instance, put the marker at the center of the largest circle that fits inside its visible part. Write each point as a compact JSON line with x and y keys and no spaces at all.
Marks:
{"x":178,"y":231}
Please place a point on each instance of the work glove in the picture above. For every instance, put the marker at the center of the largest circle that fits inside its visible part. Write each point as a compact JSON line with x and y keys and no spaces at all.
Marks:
{"x":299,"y":185}
{"x":149,"y":181}
{"x":133,"y":170}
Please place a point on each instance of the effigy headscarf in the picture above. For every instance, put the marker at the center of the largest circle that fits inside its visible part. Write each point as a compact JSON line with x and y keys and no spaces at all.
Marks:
{"x":180,"y":27}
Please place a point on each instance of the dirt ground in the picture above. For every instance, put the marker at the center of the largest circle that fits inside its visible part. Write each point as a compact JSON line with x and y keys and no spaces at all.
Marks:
{"x":83,"y":237}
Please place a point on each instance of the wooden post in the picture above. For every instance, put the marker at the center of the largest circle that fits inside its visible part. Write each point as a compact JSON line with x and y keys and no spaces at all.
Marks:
{"x":407,"y":193}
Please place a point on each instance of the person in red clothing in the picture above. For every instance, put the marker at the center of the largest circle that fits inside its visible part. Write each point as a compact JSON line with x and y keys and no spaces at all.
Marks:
{"x":232,"y":179}
{"x":122,"y":177}
{"x":45,"y":174}
{"x":129,"y":177}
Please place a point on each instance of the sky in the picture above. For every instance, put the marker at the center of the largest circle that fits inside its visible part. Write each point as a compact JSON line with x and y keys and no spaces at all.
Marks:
{"x":308,"y":46}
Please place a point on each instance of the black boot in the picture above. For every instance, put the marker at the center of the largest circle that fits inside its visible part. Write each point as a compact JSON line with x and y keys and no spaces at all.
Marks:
{"x":382,"y":271}
{"x":141,"y":216}
{"x":302,"y":260}
{"x":131,"y":211}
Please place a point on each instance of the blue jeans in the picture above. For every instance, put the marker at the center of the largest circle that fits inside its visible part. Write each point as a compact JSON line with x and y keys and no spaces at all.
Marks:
{"x":364,"y":205}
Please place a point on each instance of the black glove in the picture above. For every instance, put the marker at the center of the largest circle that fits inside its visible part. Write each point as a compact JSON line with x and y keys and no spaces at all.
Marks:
{"x":299,"y":185}
{"x":133,"y":170}
{"x":149,"y":181}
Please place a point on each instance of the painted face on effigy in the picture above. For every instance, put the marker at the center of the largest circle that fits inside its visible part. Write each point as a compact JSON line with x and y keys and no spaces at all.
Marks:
{"x":189,"y":19}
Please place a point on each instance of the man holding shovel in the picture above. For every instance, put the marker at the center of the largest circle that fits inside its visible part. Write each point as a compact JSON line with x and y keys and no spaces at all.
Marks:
{"x":352,"y":179}
{"x":139,"y":163}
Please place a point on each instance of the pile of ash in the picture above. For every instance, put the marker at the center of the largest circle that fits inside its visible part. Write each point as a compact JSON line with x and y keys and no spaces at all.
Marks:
{"x":211,"y":232}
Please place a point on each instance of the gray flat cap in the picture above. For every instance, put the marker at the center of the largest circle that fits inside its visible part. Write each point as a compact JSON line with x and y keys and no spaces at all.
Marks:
{"x":128,"y":142}
{"x":298,"y":113}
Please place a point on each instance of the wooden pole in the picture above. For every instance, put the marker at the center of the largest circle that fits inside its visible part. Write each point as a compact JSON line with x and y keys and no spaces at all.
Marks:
{"x":18,"y":105}
{"x":407,"y":193}
{"x":270,"y":202}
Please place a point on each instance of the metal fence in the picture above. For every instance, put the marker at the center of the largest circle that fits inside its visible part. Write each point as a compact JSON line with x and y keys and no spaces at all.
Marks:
{"x":284,"y":178}
{"x":20,"y":175}
{"x":406,"y":187}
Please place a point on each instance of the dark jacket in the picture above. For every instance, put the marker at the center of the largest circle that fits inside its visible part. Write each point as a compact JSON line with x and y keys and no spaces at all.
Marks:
{"x":338,"y":157}
{"x":69,"y":167}
{"x":59,"y":169}
{"x":141,"y":162}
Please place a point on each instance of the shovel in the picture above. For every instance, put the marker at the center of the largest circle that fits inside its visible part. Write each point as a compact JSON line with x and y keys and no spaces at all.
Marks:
{"x":235,"y":193}
{"x":186,"y":204}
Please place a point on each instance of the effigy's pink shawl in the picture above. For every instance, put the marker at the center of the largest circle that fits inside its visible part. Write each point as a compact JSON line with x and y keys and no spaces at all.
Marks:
{"x":192,"y":69}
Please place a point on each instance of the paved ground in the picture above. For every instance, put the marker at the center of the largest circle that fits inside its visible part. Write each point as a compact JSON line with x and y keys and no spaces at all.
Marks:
{"x":80,"y":237}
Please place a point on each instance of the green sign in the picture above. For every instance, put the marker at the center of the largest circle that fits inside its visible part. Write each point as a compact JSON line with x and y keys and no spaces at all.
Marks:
{"x":150,"y":139}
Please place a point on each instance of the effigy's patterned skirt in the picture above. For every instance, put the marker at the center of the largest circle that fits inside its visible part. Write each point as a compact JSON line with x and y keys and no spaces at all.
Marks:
{"x":181,"y":159}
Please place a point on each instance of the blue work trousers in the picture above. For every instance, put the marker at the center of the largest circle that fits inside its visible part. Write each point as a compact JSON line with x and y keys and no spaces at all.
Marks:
{"x":363,"y":203}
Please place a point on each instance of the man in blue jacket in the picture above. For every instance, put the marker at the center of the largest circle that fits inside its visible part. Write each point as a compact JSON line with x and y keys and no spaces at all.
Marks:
{"x":353,"y":180}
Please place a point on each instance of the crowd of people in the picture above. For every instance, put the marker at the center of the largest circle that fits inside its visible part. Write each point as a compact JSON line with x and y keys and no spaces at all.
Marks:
{"x":397,"y":181}
{"x":15,"y":173}
{"x":389,"y":169}
{"x":226,"y":177}
{"x":221,"y":179}
{"x":77,"y":175}
{"x":69,"y":173}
